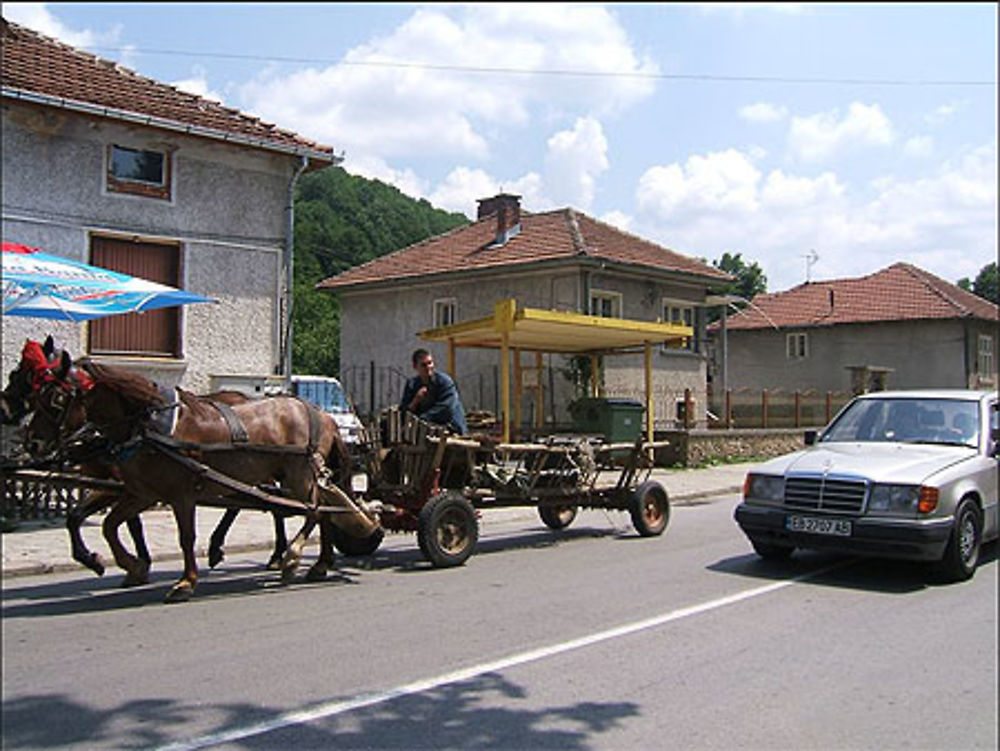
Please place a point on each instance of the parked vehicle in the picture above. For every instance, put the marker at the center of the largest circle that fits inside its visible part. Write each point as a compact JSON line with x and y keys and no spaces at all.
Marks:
{"x":327,"y":394}
{"x":904,"y":474}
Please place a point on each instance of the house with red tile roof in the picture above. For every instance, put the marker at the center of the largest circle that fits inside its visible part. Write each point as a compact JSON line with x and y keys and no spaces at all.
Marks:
{"x":106,"y":166}
{"x":559,"y":260}
{"x":902,"y":324}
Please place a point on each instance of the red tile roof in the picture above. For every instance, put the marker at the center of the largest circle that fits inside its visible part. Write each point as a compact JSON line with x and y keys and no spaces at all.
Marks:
{"x":900,"y":292}
{"x":34,"y":65}
{"x":551,"y":236}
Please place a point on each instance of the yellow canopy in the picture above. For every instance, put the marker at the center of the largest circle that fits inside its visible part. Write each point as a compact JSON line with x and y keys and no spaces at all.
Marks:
{"x":537,"y":330}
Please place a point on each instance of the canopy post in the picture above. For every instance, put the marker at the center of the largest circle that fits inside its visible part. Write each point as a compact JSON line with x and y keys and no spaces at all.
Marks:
{"x":503,"y":323}
{"x":540,"y":390}
{"x":518,"y":383}
{"x":594,"y":388}
{"x":649,"y":394}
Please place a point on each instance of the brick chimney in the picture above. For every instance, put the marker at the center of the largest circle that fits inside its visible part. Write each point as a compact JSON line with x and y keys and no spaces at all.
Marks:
{"x":507,"y":208}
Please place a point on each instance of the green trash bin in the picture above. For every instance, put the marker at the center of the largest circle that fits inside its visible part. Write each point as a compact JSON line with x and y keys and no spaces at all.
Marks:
{"x":616,"y":420}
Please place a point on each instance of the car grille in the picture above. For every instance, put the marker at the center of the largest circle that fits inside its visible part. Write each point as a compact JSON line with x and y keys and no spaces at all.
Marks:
{"x":825,"y":493}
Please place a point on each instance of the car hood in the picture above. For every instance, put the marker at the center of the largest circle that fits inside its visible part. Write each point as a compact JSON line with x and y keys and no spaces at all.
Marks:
{"x":881,"y":462}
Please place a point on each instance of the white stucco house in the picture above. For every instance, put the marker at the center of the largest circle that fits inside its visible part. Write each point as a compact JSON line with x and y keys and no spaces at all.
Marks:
{"x":106,"y":166}
{"x":560,"y":260}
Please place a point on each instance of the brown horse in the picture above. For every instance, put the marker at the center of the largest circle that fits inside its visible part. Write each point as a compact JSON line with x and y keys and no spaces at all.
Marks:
{"x":121,"y":405}
{"x":41,"y":363}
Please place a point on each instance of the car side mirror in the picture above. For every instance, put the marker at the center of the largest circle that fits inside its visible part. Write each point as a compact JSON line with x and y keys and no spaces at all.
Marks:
{"x":810,"y":437}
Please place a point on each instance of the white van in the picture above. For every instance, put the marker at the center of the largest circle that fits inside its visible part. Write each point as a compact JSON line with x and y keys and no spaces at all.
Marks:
{"x":327,"y":394}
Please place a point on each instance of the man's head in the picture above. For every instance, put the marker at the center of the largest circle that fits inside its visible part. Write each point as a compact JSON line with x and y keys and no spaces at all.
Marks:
{"x":423,"y":363}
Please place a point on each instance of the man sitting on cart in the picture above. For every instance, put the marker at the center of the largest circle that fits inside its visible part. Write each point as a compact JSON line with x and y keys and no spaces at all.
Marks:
{"x":433,"y":396}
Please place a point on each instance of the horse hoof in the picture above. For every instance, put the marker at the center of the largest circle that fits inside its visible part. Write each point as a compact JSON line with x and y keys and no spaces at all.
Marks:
{"x":179,"y":593}
{"x":96,"y":564}
{"x":317,"y":572}
{"x":215,"y":557}
{"x":274,"y":564}
{"x":134,"y":580}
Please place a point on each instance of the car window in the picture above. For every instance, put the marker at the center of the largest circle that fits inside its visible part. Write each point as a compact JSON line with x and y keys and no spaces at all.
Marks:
{"x":916,"y":420}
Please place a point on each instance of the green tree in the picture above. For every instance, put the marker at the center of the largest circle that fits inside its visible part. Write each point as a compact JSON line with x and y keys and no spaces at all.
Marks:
{"x":341,"y":221}
{"x":986,"y":285}
{"x":748,"y":280}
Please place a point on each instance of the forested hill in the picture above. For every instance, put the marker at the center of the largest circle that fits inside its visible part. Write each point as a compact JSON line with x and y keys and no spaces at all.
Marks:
{"x":341,"y":221}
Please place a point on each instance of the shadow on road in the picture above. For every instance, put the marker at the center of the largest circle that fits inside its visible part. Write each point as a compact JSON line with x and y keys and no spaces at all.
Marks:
{"x":855,"y":572}
{"x":478,"y":713}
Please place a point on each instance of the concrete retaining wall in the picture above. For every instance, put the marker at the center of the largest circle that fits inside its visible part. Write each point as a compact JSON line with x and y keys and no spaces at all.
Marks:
{"x":694,"y":447}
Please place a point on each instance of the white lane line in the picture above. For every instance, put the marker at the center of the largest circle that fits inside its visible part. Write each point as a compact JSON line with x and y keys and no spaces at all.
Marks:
{"x":333,"y":708}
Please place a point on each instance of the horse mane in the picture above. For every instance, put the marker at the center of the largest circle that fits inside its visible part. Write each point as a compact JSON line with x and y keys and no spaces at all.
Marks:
{"x":134,"y":388}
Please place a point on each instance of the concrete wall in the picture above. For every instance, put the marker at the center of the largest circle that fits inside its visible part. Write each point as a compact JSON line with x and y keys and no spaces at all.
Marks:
{"x":227,"y":212}
{"x":381,"y":327}
{"x":695,"y":447}
{"x":923,"y":354}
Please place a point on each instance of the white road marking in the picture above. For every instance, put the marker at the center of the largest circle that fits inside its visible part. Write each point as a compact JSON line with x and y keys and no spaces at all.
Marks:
{"x":333,"y":708}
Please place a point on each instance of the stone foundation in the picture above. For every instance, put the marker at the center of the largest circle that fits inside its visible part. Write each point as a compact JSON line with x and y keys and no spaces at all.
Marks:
{"x":694,"y":447}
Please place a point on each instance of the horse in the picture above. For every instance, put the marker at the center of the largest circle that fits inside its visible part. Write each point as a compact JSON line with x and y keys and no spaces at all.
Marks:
{"x":39,"y":364}
{"x":121,"y":405}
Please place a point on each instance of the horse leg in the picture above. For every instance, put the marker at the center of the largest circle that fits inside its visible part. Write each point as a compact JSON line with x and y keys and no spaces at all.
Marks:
{"x":136,"y":570}
{"x":324,"y":563}
{"x":139,"y":538}
{"x":184,"y":515}
{"x":93,"y":501}
{"x":280,"y":542}
{"x":294,"y":553}
{"x":215,"y":552}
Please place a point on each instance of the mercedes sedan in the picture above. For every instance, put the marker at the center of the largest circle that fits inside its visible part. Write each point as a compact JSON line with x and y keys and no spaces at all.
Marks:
{"x":900,"y":474}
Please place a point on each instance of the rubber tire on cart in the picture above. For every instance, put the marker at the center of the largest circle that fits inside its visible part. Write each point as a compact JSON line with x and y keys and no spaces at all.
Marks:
{"x":649,"y":508}
{"x":962,"y":554}
{"x":771,"y":552}
{"x":350,"y":545}
{"x":558,"y":517}
{"x":447,"y":530}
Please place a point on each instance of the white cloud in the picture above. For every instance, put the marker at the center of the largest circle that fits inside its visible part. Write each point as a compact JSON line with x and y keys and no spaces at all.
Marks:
{"x":820,"y":136}
{"x":198,"y":85}
{"x":919,"y":146}
{"x":368,"y":105}
{"x":943,"y":113}
{"x":763,"y":112}
{"x":36,"y":16}
{"x":618,"y":219}
{"x":736,"y":11}
{"x":376,"y":169}
{"x":945,"y":222}
{"x":574,"y":161}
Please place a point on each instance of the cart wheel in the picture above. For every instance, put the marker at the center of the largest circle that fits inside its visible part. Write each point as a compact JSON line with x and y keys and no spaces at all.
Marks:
{"x":447,"y":530}
{"x":650,"y":509}
{"x":350,"y":545}
{"x":557,"y":517}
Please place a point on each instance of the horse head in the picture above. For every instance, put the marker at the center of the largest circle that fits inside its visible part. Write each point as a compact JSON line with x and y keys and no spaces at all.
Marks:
{"x":57,"y":405}
{"x":23,"y":381}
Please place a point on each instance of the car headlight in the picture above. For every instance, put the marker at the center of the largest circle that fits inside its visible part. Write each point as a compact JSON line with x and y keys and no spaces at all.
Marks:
{"x":764,"y":487}
{"x":894,"y":499}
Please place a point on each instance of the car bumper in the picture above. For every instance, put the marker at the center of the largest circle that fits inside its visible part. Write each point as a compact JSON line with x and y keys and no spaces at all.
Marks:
{"x":910,"y":539}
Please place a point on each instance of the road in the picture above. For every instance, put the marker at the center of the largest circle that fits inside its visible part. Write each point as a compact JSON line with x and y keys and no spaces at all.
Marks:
{"x":592,"y":638}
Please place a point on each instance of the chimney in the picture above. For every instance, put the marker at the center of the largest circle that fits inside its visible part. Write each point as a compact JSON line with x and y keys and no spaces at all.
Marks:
{"x":507,"y":208}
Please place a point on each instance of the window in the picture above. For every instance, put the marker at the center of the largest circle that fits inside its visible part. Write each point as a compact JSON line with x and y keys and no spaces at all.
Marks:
{"x":154,"y":333}
{"x":138,"y":172}
{"x":680,"y":315}
{"x":797,"y":346}
{"x":985,"y":362}
{"x":605,"y":304}
{"x":445,"y":312}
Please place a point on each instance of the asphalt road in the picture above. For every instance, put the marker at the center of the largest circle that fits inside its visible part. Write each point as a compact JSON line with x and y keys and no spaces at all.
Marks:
{"x":589,"y":639}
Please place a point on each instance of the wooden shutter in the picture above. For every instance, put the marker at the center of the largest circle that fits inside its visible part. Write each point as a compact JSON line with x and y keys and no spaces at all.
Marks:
{"x":153,"y":333}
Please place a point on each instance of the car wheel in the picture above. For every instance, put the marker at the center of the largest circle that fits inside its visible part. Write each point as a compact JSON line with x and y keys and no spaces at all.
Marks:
{"x":771,"y":552}
{"x":962,"y":554}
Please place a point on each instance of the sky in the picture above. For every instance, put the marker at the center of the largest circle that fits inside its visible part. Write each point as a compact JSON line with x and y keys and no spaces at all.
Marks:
{"x":821,"y":141}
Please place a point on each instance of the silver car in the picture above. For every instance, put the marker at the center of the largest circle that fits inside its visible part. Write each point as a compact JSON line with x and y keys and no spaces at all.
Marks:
{"x":896,"y":474}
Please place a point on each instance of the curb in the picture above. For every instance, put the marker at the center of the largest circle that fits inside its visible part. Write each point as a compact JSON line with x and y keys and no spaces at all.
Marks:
{"x":38,"y":569}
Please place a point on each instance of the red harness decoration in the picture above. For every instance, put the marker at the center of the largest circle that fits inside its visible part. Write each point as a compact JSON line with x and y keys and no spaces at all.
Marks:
{"x":42,"y":369}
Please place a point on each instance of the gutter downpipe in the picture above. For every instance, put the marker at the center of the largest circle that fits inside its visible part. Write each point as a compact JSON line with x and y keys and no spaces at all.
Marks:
{"x":289,"y":263}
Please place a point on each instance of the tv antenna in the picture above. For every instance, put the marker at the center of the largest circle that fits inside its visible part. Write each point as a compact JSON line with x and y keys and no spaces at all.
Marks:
{"x":811,"y":257}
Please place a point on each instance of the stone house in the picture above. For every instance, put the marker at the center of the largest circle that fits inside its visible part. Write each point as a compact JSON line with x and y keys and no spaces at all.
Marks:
{"x":108,"y":167}
{"x":559,"y":260}
{"x":900,"y":327}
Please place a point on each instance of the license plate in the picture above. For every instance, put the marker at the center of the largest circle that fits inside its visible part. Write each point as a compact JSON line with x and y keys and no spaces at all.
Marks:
{"x":814,"y":526}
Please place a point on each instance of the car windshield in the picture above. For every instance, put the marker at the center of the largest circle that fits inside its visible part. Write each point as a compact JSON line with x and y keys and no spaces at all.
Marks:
{"x":916,"y":420}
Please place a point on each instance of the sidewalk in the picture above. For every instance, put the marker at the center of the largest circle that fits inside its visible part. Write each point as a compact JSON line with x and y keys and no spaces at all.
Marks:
{"x":43,"y":547}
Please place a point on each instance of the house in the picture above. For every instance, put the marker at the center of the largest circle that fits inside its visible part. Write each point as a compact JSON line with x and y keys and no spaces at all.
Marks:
{"x":559,"y":260}
{"x":900,"y":327}
{"x":108,"y":167}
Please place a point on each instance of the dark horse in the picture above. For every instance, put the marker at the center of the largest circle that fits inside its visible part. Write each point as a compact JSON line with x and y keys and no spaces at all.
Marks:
{"x":123,"y":405}
{"x":39,"y":364}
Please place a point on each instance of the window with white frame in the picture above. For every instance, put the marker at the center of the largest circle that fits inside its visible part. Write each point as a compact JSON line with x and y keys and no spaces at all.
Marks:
{"x":605,"y":304}
{"x":445,"y":311}
{"x":985,"y":360}
{"x":138,"y":171}
{"x":680,"y":314}
{"x":797,"y":346}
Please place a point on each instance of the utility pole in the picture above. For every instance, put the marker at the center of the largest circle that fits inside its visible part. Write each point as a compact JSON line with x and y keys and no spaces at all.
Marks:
{"x":811,"y":257}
